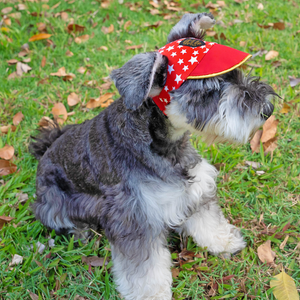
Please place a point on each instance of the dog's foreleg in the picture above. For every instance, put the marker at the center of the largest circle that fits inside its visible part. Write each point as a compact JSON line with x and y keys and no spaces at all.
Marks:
{"x":144,"y":272}
{"x":210,"y":229}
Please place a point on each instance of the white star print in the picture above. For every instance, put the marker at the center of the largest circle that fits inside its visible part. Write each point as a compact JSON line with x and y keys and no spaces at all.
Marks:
{"x":166,"y":100}
{"x":183,"y":51}
{"x":173,"y":54}
{"x":173,"y":88}
{"x":195,"y":52}
{"x":170,"y":69}
{"x":178,"y":78}
{"x":203,"y":47}
{"x":180,"y":61}
{"x":206,"y":50}
{"x":170,"y":48}
{"x":185,"y":68}
{"x":193,"y":59}
{"x":212,"y":43}
{"x":166,"y":88}
{"x":180,"y":46}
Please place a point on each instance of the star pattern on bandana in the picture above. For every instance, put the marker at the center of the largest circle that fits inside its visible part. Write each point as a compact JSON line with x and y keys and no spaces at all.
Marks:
{"x":183,"y":59}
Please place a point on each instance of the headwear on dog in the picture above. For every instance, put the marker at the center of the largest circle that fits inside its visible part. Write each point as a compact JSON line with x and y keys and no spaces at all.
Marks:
{"x":191,"y":58}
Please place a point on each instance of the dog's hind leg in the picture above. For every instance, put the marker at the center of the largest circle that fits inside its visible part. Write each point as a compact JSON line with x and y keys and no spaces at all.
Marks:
{"x":50,"y":208}
{"x":143,"y":273}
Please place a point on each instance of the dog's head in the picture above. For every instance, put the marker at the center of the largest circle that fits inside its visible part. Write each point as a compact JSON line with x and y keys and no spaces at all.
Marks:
{"x":227,"y":107}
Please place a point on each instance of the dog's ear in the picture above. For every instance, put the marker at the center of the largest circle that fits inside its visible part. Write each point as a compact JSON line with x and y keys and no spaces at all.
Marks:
{"x":191,"y":25}
{"x":141,"y":77}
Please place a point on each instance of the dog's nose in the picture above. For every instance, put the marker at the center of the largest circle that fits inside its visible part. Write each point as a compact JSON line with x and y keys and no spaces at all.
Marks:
{"x":267,"y":110}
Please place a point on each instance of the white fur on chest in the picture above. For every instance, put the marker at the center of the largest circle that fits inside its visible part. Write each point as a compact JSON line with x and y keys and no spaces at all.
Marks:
{"x":171,"y":203}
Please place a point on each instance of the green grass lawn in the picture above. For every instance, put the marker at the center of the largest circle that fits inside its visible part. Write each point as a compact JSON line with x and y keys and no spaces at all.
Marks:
{"x":259,"y":204}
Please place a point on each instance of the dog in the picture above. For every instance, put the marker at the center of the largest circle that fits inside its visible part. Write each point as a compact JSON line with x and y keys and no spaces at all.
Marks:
{"x":132,"y":170}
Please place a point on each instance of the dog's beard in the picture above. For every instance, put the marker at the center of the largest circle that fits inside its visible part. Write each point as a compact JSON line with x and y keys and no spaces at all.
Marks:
{"x":233,"y":121}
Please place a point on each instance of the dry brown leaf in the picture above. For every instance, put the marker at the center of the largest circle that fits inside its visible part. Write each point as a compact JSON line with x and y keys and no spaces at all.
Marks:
{"x":22,"y":68}
{"x":269,"y":129}
{"x":105,"y":4}
{"x":282,"y":245}
{"x":154,"y":11}
{"x":56,"y":5}
{"x":210,"y":33}
{"x":265,"y":26}
{"x":285,"y":108}
{"x":83,"y":70}
{"x":7,"y":21}
{"x":7,"y":167}
{"x":134,"y":47}
{"x":127,"y":24}
{"x":260,"y":6}
{"x":43,"y":62}
{"x":255,"y":142}
{"x":211,"y":5}
{"x":59,"y":112}
{"x":155,"y":25}
{"x":21,"y":6}
{"x":26,"y":60}
{"x":175,"y":272}
{"x":5,"y":129}
{"x":100,"y":101}
{"x":221,"y":3}
{"x":16,"y":260}
{"x":60,"y":73}
{"x":12,"y":61}
{"x":243,"y":43}
{"x":69,"y":77}
{"x":276,"y":63}
{"x":40,"y":36}
{"x":64,"y":16}
{"x":154,"y":4}
{"x":16,"y":15}
{"x":45,"y":122}
{"x":271,"y":55}
{"x":270,"y":145}
{"x":253,"y":164}
{"x":7,"y":152}
{"x":105,"y":86}
{"x":6,"y":10}
{"x":18,"y":117}
{"x":41,"y":26}
{"x":82,"y":38}
{"x":294,"y":81}
{"x":107,"y":30}
{"x":103,"y":48}
{"x":94,"y":261}
{"x":33,"y":296}
{"x":69,"y":53}
{"x":265,"y":253}
{"x":279,"y":26}
{"x":12,"y":75}
{"x":73,"y":99}
{"x":75,"y":28}
{"x":4,"y":219}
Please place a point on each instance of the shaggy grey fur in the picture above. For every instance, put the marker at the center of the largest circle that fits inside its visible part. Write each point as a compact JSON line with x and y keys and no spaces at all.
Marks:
{"x":132,"y":172}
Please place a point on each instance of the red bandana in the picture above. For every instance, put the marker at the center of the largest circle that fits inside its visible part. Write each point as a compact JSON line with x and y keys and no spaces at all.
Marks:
{"x":185,"y":56}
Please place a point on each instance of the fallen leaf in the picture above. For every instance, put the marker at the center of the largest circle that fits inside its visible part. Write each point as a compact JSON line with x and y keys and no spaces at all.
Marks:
{"x":59,"y":112}
{"x":7,"y":152}
{"x":255,"y":142}
{"x":41,"y":27}
{"x":5,"y":129}
{"x":18,"y":117}
{"x":154,"y":4}
{"x":105,"y":4}
{"x":6,"y":10}
{"x":56,"y":5}
{"x":155,"y":25}
{"x":40,"y":36}
{"x":16,"y":260}
{"x":134,"y":47}
{"x":22,"y":197}
{"x":265,"y":253}
{"x":269,"y":129}
{"x":271,"y":55}
{"x":94,"y":261}
{"x":294,"y":81}
{"x":127,"y":24}
{"x":282,"y":245}
{"x":210,"y":33}
{"x":285,"y":108}
{"x":7,"y":21}
{"x":69,"y":53}
{"x":21,"y":6}
{"x":33,"y":296}
{"x":69,"y":77}
{"x":22,"y":68}
{"x":276,"y":63}
{"x":284,"y":287}
{"x":43,"y":62}
{"x":12,"y":61}
{"x":211,"y":5}
{"x":103,"y":48}
{"x":82,"y":38}
{"x":100,"y":101}
{"x":16,"y":15}
{"x":83,"y":70}
{"x":46,"y":122}
{"x":175,"y":272}
{"x":221,"y":3}
{"x":7,"y":167}
{"x":270,"y":145}
{"x":253,"y":164}
{"x":60,"y":73}
{"x":154,"y":11}
{"x":279,"y":26}
{"x":107,"y":30}
{"x":75,"y":28}
{"x":26,"y":60}
{"x":243,"y":43}
{"x":260,"y":6}
{"x":64,"y":16}
{"x":265,"y":26}
{"x":73,"y":99}
{"x":105,"y":86}
{"x":4,"y":220}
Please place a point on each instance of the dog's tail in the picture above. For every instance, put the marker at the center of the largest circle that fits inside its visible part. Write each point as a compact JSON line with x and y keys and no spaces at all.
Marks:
{"x":44,"y":139}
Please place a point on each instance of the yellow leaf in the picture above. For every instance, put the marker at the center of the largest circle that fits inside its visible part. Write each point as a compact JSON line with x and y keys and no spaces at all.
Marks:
{"x":40,"y":36}
{"x":285,"y":108}
{"x":284,"y":287}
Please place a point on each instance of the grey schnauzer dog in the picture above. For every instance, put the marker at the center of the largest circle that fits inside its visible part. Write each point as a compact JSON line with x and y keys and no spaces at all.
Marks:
{"x":133,"y":172}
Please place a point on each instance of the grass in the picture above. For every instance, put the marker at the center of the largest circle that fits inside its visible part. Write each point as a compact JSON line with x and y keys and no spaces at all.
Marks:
{"x":58,"y":273}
